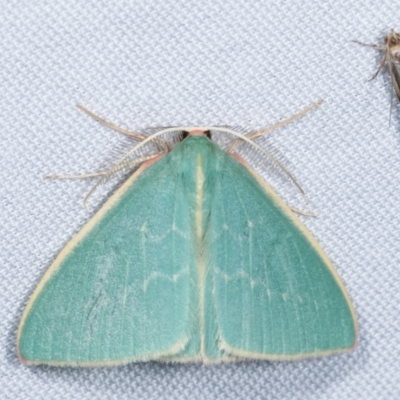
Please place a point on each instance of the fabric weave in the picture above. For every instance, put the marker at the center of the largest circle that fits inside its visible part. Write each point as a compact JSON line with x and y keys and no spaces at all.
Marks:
{"x":246,"y":64}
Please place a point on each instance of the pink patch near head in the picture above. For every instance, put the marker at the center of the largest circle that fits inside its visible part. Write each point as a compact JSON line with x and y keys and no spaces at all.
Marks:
{"x":240,"y":159}
{"x":152,"y":160}
{"x":196,"y":132}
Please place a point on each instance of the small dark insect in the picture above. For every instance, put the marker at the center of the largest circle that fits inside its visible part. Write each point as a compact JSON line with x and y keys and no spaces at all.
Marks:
{"x":391,"y":57}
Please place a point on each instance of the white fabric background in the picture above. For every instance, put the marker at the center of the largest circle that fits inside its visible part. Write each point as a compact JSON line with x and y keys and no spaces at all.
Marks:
{"x":242,"y":63}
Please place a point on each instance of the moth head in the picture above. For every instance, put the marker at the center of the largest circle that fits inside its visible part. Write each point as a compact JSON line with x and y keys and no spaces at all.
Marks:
{"x":194,"y":132}
{"x":392,"y":39}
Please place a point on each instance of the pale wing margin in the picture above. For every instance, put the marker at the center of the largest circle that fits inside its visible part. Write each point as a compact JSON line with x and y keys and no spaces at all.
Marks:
{"x":276,"y":294}
{"x":120,"y":290}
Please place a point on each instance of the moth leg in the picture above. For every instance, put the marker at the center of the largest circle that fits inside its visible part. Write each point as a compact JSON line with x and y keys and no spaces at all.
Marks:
{"x":137,"y":136}
{"x":374,"y":46}
{"x":381,"y":64}
{"x":383,"y":59}
{"x":263,"y":132}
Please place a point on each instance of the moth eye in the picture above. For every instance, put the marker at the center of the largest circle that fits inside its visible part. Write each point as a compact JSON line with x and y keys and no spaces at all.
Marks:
{"x":393,"y":41}
{"x":183,"y":135}
{"x":208,"y":134}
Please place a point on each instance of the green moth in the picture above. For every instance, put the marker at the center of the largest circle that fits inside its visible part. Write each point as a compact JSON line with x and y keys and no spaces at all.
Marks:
{"x":193,"y":258}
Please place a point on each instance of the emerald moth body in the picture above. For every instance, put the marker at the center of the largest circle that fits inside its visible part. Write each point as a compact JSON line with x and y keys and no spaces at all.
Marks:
{"x":193,"y":258}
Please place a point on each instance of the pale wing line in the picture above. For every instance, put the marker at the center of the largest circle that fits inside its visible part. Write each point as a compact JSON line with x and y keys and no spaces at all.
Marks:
{"x":219,"y":234}
{"x":174,"y":255}
{"x":159,"y":238}
{"x":142,"y":240}
{"x":161,"y":275}
{"x":265,"y":257}
{"x":148,"y":238}
{"x":289,"y":281}
{"x":324,"y":258}
{"x":242,"y":274}
{"x":64,"y":253}
{"x":251,"y":247}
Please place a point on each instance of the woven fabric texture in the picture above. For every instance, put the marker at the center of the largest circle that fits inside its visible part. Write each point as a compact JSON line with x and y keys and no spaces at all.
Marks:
{"x":246,"y":64}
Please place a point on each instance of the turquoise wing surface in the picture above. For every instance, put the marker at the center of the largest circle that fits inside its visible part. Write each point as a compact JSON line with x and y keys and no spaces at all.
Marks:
{"x":122,"y":290}
{"x":276,"y":294}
